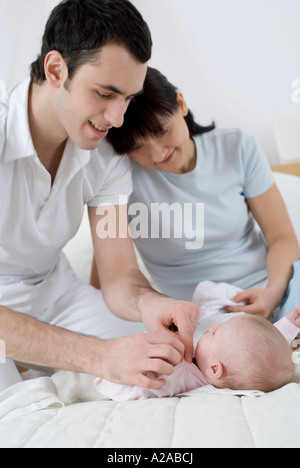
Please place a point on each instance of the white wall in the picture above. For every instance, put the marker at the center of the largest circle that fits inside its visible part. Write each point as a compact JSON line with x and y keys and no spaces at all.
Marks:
{"x":234,"y":60}
{"x":22,"y":25}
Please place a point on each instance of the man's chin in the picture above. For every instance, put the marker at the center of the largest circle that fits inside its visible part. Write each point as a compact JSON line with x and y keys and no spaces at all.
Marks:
{"x":89,"y":146}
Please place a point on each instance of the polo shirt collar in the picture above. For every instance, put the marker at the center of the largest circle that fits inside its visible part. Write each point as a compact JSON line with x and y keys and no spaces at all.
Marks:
{"x":18,"y":138}
{"x":19,"y":143}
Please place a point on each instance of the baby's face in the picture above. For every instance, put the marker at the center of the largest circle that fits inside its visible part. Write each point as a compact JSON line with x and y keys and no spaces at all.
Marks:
{"x":238,"y":354}
{"x":209,"y":348}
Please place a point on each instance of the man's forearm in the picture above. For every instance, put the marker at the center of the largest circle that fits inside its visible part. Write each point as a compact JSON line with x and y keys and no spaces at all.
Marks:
{"x":126,"y":295}
{"x":33,"y":342}
{"x":123,"y":360}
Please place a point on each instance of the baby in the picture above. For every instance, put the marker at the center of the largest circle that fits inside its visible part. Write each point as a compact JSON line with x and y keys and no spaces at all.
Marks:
{"x":244,"y":353}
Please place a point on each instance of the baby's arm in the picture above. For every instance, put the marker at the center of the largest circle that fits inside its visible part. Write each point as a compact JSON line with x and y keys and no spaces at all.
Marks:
{"x":289,"y":326}
{"x":118,"y":392}
{"x":186,"y":377}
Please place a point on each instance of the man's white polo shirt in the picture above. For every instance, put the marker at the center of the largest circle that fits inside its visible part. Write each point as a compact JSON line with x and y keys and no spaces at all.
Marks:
{"x":37,"y":220}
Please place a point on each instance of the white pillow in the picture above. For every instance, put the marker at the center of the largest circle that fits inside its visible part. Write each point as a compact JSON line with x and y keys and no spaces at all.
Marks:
{"x":289,"y":187}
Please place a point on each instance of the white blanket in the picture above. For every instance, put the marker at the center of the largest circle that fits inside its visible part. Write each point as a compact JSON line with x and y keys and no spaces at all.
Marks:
{"x":66,"y":411}
{"x":85,"y":420}
{"x":27,"y":397}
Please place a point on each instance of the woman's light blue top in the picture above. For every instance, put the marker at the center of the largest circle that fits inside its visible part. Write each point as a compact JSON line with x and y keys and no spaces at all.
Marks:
{"x":197,"y":226}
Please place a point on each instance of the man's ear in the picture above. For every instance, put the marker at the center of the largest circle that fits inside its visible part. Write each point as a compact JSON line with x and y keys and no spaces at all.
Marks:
{"x":216,"y":371}
{"x":55,"y":68}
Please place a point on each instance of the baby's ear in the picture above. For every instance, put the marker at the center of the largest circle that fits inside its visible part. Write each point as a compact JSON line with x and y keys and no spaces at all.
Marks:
{"x":216,"y":371}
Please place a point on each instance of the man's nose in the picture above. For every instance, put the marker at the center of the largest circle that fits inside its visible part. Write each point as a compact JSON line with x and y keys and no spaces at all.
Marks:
{"x":114,"y":114}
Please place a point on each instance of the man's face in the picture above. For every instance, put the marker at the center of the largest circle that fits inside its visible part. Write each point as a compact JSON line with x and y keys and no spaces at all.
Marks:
{"x":98,"y":95}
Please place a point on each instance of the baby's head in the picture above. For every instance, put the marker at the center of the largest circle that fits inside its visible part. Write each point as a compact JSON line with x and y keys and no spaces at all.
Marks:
{"x":245,"y":353}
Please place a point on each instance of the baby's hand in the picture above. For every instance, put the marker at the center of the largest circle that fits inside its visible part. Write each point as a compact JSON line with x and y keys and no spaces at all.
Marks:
{"x":294,"y":316}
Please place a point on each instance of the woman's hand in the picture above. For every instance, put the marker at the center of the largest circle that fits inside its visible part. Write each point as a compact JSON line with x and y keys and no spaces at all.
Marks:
{"x":163,"y":314}
{"x":261,"y":302}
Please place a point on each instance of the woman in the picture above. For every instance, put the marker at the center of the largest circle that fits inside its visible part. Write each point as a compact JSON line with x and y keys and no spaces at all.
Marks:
{"x":224,"y":174}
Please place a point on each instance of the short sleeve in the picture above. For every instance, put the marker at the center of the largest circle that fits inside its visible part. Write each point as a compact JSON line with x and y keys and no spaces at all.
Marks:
{"x":117,"y":186}
{"x":287,"y":329}
{"x":4,"y":99}
{"x":258,"y":175}
{"x":3,"y":93}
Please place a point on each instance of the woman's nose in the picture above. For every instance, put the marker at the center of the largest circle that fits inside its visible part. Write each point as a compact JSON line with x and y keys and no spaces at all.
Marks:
{"x":159,"y":154}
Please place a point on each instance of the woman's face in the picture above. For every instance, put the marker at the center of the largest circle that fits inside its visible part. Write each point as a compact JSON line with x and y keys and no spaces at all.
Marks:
{"x":174,"y":151}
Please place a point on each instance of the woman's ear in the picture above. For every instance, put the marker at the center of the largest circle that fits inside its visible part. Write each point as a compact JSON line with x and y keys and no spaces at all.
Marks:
{"x":55,"y":68}
{"x":182,"y":104}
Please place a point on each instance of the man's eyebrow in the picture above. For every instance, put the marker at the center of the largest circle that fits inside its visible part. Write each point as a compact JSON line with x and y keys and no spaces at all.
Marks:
{"x":115,"y":90}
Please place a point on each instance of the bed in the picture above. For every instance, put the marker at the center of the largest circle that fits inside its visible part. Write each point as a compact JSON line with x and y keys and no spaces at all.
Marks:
{"x":65,"y":411}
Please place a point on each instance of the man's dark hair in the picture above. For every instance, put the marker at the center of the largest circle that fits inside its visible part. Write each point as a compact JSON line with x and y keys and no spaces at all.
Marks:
{"x":79,"y":28}
{"x":148,"y":113}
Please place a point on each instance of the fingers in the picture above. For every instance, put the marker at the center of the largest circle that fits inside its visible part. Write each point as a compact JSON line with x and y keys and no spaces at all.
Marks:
{"x":163,"y":352}
{"x":160,"y":367}
{"x":167,"y":347}
{"x":187,"y":340}
{"x":151,"y":383}
{"x":252,"y":309}
{"x":248,"y":309}
{"x":253,"y":301}
{"x":186,"y":325}
{"x":140,"y":359}
{"x":179,"y":317}
{"x":241,"y":297}
{"x":244,"y":303}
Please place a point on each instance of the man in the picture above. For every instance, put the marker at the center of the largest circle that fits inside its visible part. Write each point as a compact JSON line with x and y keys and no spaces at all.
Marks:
{"x":92,"y":63}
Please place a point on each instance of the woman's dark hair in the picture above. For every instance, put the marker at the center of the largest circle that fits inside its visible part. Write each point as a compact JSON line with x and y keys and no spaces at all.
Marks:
{"x":79,"y":28}
{"x":147,"y":114}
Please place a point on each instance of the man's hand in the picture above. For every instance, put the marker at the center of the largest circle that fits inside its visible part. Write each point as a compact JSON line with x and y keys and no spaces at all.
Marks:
{"x":128,"y":360}
{"x":163,"y":314}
